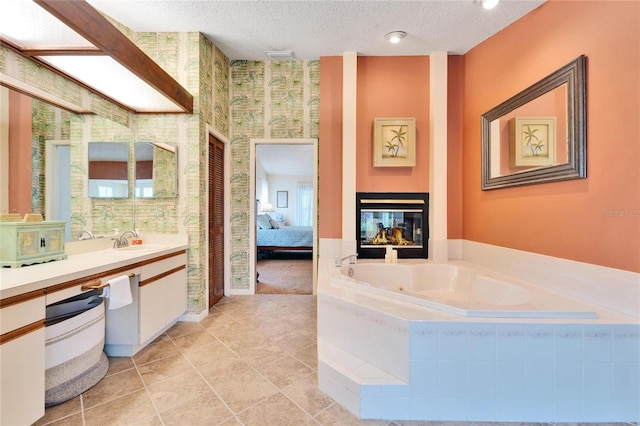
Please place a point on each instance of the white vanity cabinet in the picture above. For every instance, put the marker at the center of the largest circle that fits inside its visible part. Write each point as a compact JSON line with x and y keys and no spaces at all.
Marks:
{"x":159,"y":298}
{"x":163,"y":295}
{"x":22,"y":358}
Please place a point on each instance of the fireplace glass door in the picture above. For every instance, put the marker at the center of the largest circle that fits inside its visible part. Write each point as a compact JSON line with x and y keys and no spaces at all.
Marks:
{"x":395,"y":219}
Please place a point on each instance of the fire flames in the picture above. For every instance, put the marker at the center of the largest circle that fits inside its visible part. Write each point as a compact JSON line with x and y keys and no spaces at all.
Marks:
{"x":394,"y":237}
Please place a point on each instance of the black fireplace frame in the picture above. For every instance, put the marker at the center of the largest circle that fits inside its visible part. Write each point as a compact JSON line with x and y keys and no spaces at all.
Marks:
{"x":401,"y":200}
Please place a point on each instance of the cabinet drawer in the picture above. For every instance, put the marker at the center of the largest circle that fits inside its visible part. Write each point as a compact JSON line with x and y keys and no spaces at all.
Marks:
{"x":74,"y":288}
{"x":158,"y":268}
{"x":21,"y":314}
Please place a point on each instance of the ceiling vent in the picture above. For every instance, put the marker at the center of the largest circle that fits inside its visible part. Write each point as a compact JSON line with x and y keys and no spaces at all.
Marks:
{"x":278,"y":55}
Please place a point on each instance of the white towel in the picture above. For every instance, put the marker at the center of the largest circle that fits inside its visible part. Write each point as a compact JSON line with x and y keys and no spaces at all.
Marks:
{"x":118,"y":292}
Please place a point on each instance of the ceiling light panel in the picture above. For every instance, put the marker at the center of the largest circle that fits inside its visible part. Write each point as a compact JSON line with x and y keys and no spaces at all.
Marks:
{"x":109,"y":77}
{"x":29,"y":26}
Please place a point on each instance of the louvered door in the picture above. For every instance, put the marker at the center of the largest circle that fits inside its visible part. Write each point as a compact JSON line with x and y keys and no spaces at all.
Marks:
{"x":216,"y":220}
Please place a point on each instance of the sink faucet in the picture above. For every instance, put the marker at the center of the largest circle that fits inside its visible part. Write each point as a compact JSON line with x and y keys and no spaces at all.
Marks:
{"x":87,"y":233}
{"x":351,"y":257}
{"x":121,"y":241}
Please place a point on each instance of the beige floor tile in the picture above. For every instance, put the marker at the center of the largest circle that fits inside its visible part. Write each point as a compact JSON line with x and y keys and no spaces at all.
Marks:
{"x":260,"y":355}
{"x":195,"y":339}
{"x":127,"y":409}
{"x":337,"y":415}
{"x":112,"y":387}
{"x":162,"y":369}
{"x":150,"y":421}
{"x":183,"y":328}
{"x":308,"y":355}
{"x":306,"y":394}
{"x":293,"y":342}
{"x":73,"y":406}
{"x":219,"y":369}
{"x":205,"y":354}
{"x":177,"y":390}
{"x":73,"y":420}
{"x":156,"y":351}
{"x":204,"y":409}
{"x":118,"y":364}
{"x":232,"y":422}
{"x":285,"y":371}
{"x":244,"y":390}
{"x":275,"y":410}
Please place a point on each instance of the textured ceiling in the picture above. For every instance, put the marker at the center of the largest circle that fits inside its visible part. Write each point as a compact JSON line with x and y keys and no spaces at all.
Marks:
{"x":311,"y":29}
{"x":286,"y":160}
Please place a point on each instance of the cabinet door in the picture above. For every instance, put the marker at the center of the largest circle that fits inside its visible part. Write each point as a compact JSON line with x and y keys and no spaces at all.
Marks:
{"x":22,"y":386}
{"x":28,"y":243}
{"x":152,"y":309}
{"x":53,"y":240}
{"x":161,"y":303}
{"x":22,"y":362}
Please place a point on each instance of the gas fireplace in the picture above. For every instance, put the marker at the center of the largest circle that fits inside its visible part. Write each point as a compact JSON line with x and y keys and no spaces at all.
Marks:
{"x":398,"y":219}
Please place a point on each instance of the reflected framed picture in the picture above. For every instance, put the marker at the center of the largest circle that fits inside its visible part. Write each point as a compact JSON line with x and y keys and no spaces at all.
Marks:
{"x":394,"y":142}
{"x":282,"y":199}
{"x":532,"y":141}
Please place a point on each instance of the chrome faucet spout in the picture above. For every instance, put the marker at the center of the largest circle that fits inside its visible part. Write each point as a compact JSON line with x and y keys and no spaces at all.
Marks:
{"x":121,"y":241}
{"x":87,"y":233}
{"x":351,"y":257}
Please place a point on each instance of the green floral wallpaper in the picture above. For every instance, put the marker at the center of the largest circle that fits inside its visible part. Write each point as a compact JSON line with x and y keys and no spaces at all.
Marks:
{"x":239,"y":99}
{"x":270,"y":99}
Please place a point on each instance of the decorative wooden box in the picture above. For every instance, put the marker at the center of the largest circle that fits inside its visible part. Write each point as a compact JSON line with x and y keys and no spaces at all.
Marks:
{"x":26,"y":243}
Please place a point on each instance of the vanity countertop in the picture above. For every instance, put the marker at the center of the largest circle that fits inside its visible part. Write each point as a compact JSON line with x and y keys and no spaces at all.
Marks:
{"x":16,"y":281}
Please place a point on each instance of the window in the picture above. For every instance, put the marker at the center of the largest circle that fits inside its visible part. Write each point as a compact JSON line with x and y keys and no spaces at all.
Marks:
{"x":304,"y":204}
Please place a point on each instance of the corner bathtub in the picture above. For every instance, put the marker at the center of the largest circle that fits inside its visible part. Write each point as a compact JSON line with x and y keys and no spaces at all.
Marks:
{"x":460,"y":290}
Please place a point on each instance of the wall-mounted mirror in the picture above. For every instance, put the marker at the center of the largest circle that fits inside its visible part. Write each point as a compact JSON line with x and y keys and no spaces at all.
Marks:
{"x":108,"y":170}
{"x":156,"y":167}
{"x":538,"y":135}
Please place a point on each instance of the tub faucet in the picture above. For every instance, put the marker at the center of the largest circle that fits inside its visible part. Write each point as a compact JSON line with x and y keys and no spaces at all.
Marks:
{"x":121,"y":241}
{"x":351,"y":257}
{"x":87,"y":233}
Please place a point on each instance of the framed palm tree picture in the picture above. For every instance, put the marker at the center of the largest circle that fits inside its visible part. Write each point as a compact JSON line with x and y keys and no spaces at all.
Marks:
{"x":394,"y":142}
{"x":532,"y":141}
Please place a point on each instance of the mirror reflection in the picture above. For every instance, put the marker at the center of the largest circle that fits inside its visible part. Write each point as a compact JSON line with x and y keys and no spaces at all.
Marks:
{"x":531,"y":136}
{"x":156,"y":165}
{"x":108,"y":170}
{"x":539,"y":135}
{"x":50,"y":173}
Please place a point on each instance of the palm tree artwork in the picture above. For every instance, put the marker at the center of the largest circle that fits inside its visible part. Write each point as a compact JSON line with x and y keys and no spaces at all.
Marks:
{"x":395,"y":141}
{"x":533,"y":143}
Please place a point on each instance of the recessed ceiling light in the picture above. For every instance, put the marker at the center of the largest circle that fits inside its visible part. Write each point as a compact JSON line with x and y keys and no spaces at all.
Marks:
{"x":395,"y":36}
{"x":487,"y":4}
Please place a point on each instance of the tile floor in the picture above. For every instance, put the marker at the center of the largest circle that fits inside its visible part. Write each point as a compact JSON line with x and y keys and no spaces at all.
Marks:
{"x":251,"y":361}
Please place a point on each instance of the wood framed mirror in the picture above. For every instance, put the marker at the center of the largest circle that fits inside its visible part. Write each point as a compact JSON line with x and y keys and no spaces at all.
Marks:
{"x":538,"y":135}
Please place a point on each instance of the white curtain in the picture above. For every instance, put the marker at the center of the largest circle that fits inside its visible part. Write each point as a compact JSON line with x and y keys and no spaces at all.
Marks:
{"x":304,"y":204}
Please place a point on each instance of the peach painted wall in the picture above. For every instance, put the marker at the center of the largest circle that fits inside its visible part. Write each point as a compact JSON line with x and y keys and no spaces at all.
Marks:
{"x":19,"y":153}
{"x":392,"y":86}
{"x":455,"y":77}
{"x":594,"y":220}
{"x":330,"y":148}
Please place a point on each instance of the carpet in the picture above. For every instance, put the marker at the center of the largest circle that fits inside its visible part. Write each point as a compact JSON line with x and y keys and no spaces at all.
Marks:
{"x":285,"y":273}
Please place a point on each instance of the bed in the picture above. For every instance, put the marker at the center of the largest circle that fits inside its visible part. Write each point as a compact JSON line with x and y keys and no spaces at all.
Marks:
{"x":271,"y":236}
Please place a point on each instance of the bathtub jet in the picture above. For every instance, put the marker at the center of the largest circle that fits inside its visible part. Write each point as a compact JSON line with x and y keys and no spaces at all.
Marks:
{"x":460,"y":290}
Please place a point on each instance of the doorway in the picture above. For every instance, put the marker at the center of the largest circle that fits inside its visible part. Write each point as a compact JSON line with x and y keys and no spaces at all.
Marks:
{"x":216,"y":220}
{"x":281,"y":201}
{"x":58,"y":183}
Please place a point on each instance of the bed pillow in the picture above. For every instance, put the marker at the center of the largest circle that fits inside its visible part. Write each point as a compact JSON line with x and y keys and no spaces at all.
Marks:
{"x":274,"y":224}
{"x":263,"y":221}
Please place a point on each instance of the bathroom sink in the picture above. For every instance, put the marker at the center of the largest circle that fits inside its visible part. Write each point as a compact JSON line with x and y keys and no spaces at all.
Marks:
{"x":139,"y":249}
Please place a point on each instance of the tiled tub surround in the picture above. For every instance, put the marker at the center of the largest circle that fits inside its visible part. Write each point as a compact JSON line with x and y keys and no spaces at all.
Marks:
{"x":385,"y":358}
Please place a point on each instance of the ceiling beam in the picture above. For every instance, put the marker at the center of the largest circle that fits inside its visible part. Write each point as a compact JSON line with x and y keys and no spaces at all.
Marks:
{"x":90,"y":24}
